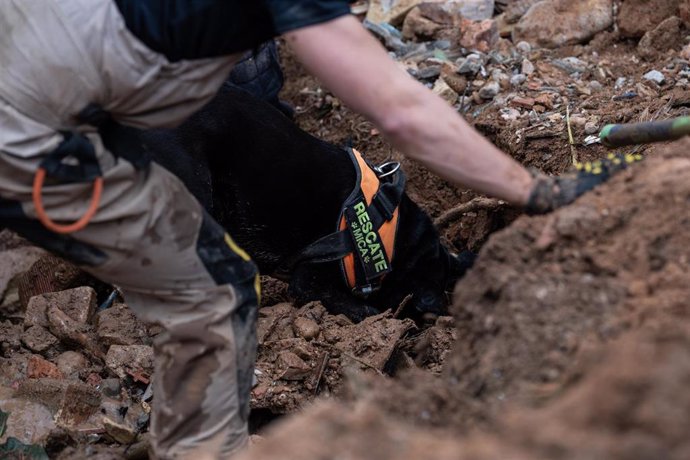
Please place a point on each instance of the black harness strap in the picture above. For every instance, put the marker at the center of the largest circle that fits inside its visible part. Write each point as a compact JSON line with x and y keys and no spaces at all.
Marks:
{"x":337,"y":245}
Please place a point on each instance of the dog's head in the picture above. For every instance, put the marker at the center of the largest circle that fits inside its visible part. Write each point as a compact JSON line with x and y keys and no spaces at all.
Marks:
{"x":422,"y":268}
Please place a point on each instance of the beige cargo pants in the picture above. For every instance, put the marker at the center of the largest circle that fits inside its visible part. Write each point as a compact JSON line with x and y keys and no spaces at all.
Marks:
{"x":150,"y":237}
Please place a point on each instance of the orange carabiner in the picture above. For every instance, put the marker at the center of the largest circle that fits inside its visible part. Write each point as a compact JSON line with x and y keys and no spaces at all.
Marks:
{"x":80,"y":224}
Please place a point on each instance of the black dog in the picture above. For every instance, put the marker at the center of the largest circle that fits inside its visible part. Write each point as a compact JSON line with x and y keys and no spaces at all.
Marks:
{"x":277,"y":189}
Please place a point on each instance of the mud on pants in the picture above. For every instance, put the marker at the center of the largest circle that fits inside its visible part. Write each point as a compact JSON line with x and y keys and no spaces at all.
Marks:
{"x":176,"y":267}
{"x":174,"y":264}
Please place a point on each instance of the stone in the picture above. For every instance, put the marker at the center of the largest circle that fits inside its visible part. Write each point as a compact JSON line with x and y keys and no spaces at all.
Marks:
{"x":595,"y":86}
{"x":685,"y":52}
{"x":620,"y":82}
{"x":527,"y":68}
{"x":457,"y":83}
{"x":72,"y":402}
{"x":71,"y":363}
{"x":292,"y":366}
{"x":15,"y":262}
{"x":392,"y":11}
{"x":478,"y":35}
{"x":655,"y":76}
{"x":118,"y":325}
{"x":636,"y":17}
{"x":509,"y":114}
{"x":111,"y":388}
{"x":591,"y":127}
{"x":667,"y":35}
{"x":49,"y":274}
{"x":555,"y":23}
{"x":119,"y":432}
{"x":418,"y":26}
{"x":475,"y":10}
{"x":28,"y":421}
{"x":523,"y":47}
{"x":306,"y":328}
{"x":470,"y":65}
{"x":124,"y":360}
{"x":518,"y":79}
{"x":490,"y":90}
{"x":72,"y":332}
{"x":38,"y":368}
{"x":38,"y":339}
{"x":523,"y":102}
{"x":78,"y":303}
{"x":446,"y":92}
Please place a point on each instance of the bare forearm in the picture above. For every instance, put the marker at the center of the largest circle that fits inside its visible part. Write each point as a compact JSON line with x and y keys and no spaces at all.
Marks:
{"x":357,"y":69}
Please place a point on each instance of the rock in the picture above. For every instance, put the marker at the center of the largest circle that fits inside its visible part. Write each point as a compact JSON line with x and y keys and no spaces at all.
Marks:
{"x":655,"y":76}
{"x":71,"y":363}
{"x":478,"y":35}
{"x":120,"y":432}
{"x":292,"y":366}
{"x":446,"y":92}
{"x":527,"y":67}
{"x":509,"y":114}
{"x":118,"y":325}
{"x":515,"y":9}
{"x":595,"y":86}
{"x":620,"y":82}
{"x":70,"y":331}
{"x":72,"y":402}
{"x":591,"y":127}
{"x":636,"y":17}
{"x":685,"y":53}
{"x":111,"y":388}
{"x":38,"y":368}
{"x":29,"y":421}
{"x":489,"y":90}
{"x":419,"y":26}
{"x":570,"y":64}
{"x":16,"y":261}
{"x":457,"y":83}
{"x":667,"y":35}
{"x":126,"y":359}
{"x":560,"y":22}
{"x":523,"y":102}
{"x":392,"y":11}
{"x":518,"y":79}
{"x":470,"y":65}
{"x":523,"y":47}
{"x":38,"y":339}
{"x":78,"y":303}
{"x":475,"y":10}
{"x":306,"y":328}
{"x":578,"y":120}
{"x":49,"y":274}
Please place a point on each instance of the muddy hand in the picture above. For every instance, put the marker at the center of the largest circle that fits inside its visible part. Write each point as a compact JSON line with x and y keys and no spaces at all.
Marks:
{"x":550,"y":193}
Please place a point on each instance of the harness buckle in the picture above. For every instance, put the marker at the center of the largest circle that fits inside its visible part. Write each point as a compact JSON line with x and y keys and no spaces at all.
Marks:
{"x":386,"y":169}
{"x":365,"y":291}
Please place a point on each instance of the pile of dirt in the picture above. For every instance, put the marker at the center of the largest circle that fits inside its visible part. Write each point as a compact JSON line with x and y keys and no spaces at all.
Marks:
{"x":574,"y":340}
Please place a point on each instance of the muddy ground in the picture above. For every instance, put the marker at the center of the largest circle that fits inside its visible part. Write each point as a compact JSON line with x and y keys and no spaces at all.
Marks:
{"x":569,"y":339}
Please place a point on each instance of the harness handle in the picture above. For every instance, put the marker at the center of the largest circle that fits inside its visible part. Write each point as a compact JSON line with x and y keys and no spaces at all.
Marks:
{"x":43,"y":217}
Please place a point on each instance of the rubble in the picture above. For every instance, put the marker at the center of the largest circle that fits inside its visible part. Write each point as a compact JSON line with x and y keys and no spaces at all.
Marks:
{"x":666,"y":36}
{"x":118,"y":325}
{"x":554,"y":23}
{"x":637,"y":17}
{"x":655,"y":76}
{"x":71,"y":402}
{"x":38,"y":339}
{"x":78,"y":303}
{"x":126,"y":360}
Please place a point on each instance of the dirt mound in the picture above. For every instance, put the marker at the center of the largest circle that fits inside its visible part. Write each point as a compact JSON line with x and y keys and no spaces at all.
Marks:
{"x":626,"y":401}
{"x":549,"y":285}
{"x":574,"y":345}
